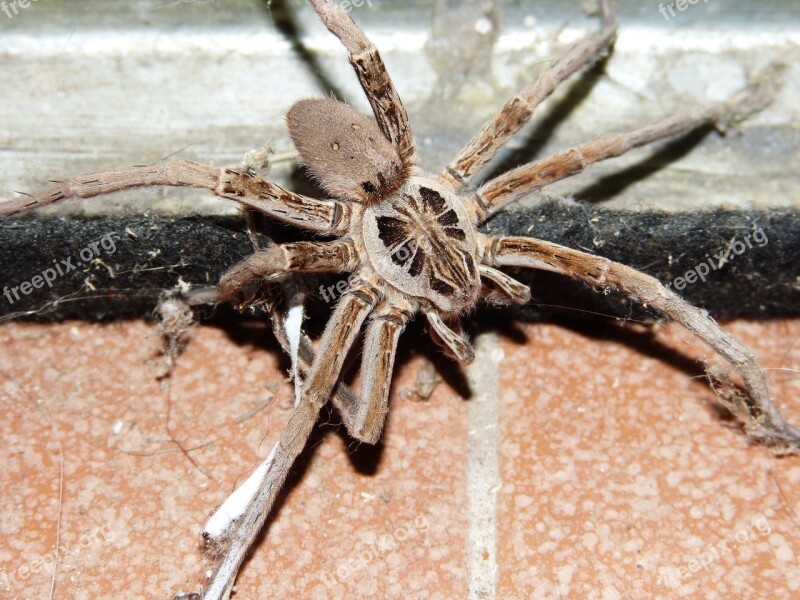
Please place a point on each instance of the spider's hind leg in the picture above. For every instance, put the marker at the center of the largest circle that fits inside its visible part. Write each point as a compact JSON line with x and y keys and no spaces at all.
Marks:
{"x":281,"y":259}
{"x":758,"y":414}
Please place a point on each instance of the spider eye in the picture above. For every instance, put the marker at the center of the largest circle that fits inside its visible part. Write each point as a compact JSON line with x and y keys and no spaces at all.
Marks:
{"x":345,"y":151}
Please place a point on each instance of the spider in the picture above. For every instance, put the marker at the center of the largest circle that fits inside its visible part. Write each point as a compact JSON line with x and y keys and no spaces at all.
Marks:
{"x":410,"y":240}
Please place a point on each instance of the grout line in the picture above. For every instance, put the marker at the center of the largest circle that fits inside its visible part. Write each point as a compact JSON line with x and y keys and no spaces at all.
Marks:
{"x":483,"y":470}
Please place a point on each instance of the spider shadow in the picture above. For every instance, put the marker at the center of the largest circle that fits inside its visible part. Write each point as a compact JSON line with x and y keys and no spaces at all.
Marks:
{"x":366,"y":458}
{"x":642,"y":341}
{"x":282,"y":13}
{"x":544,"y":128}
{"x":417,"y":341}
{"x":612,"y":185}
{"x":597,"y":328}
{"x":606,"y":187}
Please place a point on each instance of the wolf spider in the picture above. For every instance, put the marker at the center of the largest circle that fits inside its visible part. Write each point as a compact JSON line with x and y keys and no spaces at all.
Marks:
{"x":410,"y":239}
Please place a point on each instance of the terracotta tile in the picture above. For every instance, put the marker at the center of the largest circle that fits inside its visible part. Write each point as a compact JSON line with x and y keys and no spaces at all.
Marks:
{"x":620,"y":480}
{"x":354,"y":524}
{"x":613,"y":470}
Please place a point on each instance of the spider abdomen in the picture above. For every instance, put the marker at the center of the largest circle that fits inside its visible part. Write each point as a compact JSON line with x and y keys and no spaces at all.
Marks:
{"x":421,"y":241}
{"x":345,"y":151}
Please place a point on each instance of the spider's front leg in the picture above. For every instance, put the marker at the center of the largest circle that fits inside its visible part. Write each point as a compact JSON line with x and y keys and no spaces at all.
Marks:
{"x":337,"y":339}
{"x":760,"y":417}
{"x":363,"y":415}
{"x":365,"y":421}
{"x":343,"y":397}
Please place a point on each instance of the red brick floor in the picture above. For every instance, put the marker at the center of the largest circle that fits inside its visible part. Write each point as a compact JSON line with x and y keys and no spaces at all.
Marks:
{"x":621,"y":482}
{"x":598,"y":469}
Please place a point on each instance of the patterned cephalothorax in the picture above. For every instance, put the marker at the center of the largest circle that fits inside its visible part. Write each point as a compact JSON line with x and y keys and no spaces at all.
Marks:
{"x":410,"y":240}
{"x":421,"y":241}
